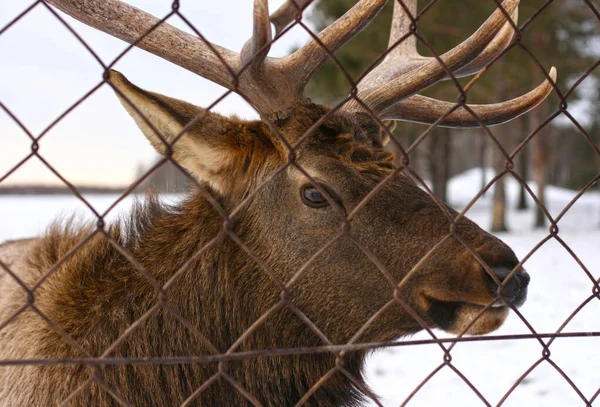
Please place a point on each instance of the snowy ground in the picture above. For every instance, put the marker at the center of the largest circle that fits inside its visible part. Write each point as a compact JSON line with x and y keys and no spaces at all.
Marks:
{"x":558,"y":286}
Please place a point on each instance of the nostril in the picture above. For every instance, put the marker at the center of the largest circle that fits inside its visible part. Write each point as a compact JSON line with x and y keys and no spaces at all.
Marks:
{"x":501,"y":272}
{"x":525,"y":278}
{"x":491,"y":281}
{"x":511,"y":288}
{"x":515,"y":289}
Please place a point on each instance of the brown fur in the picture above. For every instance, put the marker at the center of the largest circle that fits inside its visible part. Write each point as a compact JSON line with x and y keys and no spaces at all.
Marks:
{"x":96,"y":293}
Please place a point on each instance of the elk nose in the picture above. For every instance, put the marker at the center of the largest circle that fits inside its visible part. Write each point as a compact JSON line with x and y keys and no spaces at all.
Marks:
{"x":514,"y":289}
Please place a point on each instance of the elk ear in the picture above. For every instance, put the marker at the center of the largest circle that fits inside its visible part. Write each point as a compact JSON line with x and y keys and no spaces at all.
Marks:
{"x":384,"y":134}
{"x":209,"y":145}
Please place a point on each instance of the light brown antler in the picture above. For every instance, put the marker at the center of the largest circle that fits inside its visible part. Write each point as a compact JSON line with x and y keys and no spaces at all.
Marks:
{"x":256,"y":48}
{"x":389,"y":89}
{"x":288,"y":12}
{"x":270,"y":84}
{"x":277,"y":84}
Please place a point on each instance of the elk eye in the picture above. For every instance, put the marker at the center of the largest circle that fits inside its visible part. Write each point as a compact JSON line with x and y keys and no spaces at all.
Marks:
{"x":312,"y":197}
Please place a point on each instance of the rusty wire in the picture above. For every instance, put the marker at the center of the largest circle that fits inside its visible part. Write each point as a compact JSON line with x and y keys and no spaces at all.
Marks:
{"x":545,"y":339}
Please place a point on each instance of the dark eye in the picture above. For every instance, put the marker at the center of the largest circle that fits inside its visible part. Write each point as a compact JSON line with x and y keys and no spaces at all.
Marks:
{"x":313,"y":198}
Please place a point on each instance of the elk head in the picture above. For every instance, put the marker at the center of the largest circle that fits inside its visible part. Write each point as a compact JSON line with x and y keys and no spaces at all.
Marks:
{"x":360,"y":248}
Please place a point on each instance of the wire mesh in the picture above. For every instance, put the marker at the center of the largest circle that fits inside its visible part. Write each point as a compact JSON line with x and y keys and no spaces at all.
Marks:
{"x":236,"y":354}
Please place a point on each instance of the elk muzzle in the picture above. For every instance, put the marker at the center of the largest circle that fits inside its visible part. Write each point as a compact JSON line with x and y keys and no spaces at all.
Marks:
{"x":512,"y":289}
{"x":480,"y":303}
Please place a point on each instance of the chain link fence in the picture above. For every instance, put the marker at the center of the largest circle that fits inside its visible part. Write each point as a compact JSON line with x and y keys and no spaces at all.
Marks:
{"x":340,"y":352}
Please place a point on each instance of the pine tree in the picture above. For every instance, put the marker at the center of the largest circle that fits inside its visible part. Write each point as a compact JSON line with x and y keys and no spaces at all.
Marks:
{"x":557,"y":34}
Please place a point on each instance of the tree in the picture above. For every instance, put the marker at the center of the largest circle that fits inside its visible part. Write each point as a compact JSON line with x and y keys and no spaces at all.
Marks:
{"x":165,"y":179}
{"x":557,"y":34}
{"x":523,"y":166}
{"x":439,"y":161}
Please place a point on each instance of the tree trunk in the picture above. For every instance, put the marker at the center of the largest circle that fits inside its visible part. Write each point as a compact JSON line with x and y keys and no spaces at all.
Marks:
{"x":482,"y":152}
{"x":499,"y":198}
{"x":439,"y":161}
{"x":598,"y":182}
{"x":541,"y":151}
{"x":541,"y":147}
{"x":523,"y":165}
{"x":502,"y":134}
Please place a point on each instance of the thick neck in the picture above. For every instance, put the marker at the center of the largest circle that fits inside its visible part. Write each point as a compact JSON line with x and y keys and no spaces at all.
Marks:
{"x":221,"y":294}
{"x":234,"y":292}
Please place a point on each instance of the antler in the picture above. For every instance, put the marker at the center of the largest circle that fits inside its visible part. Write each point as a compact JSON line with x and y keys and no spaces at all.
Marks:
{"x":272,"y":85}
{"x":288,"y":12}
{"x":269,"y":84}
{"x":389,"y":89}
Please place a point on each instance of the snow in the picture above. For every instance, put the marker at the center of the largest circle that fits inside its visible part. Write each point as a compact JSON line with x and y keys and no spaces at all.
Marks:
{"x":559,"y":285}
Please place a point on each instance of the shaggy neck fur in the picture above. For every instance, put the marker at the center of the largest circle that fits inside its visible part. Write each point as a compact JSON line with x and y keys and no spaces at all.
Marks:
{"x":97,"y":294}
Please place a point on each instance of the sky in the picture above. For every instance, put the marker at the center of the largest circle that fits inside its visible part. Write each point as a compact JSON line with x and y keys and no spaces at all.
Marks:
{"x":44,"y":70}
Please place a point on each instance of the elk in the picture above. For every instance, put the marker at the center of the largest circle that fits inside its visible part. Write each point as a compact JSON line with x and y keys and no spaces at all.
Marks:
{"x":300,"y":233}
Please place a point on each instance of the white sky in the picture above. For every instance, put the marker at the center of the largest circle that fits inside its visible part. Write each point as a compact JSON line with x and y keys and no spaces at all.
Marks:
{"x":44,"y":70}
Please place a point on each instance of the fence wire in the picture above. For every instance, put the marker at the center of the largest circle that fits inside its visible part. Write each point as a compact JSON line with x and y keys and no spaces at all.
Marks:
{"x":235,"y":353}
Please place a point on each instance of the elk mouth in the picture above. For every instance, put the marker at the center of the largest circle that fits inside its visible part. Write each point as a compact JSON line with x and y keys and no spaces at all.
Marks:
{"x":457,"y":317}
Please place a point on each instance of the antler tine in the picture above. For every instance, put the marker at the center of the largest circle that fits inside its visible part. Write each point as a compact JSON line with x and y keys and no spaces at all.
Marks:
{"x":255,"y":50}
{"x":403,"y":53}
{"x":288,"y":12}
{"x":267,"y":93}
{"x":401,"y":27}
{"x":131,"y":24}
{"x":494,"y":48}
{"x":276,"y":84}
{"x":303,"y":63}
{"x":422,"y":109}
{"x":404,"y":77}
